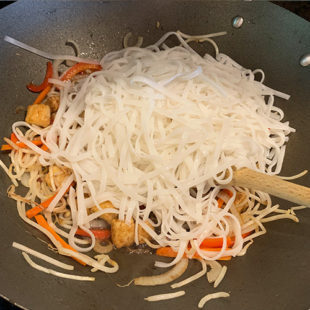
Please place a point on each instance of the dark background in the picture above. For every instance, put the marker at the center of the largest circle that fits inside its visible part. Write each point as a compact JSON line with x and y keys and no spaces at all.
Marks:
{"x":301,"y":8}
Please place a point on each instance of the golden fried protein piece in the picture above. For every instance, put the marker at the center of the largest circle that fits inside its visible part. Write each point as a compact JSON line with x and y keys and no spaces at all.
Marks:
{"x":58,"y":174}
{"x":53,"y":102}
{"x":123,"y":235}
{"x":108,"y":217}
{"x":38,"y":114}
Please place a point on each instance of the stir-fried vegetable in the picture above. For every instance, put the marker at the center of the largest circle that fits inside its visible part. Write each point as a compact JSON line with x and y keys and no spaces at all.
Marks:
{"x":8,"y":147}
{"x":100,"y":234}
{"x":43,"y":205}
{"x":42,"y":222}
{"x":44,"y":84}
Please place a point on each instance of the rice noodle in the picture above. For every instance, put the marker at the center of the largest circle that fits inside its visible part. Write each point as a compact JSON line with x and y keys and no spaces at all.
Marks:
{"x":54,"y":272}
{"x":42,"y":256}
{"x":7,"y":171}
{"x":46,"y":55}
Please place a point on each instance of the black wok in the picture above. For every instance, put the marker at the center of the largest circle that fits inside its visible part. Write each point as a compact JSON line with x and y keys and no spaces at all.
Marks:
{"x":275,"y":273}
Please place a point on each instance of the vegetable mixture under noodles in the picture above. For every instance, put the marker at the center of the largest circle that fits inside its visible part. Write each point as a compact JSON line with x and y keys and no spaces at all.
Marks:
{"x":141,"y":148}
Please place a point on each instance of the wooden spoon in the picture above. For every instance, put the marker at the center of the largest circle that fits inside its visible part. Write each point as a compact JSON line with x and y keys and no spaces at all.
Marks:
{"x":272,"y":185}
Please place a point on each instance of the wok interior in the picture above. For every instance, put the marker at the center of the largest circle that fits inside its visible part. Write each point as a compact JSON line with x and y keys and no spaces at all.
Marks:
{"x":261,"y":43}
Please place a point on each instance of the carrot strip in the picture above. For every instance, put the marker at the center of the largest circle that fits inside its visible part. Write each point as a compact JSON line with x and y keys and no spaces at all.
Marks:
{"x":43,"y":205}
{"x":44,"y":84}
{"x":43,"y":94}
{"x":208,"y":244}
{"x":221,"y":201}
{"x":168,"y":252}
{"x":101,"y":234}
{"x":42,"y":222}
{"x":216,"y":242}
{"x":77,"y":68}
{"x":228,"y":192}
{"x":44,"y":148}
{"x":7,"y":147}
{"x":74,"y":70}
{"x":13,"y":137}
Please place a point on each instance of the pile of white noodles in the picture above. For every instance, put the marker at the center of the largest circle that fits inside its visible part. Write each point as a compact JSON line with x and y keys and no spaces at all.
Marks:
{"x":158,"y":131}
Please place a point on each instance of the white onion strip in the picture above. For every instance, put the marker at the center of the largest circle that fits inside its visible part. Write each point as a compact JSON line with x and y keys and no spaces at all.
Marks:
{"x":165,"y":296}
{"x":42,"y":256}
{"x":220,"y":277}
{"x":208,"y":297}
{"x":215,"y":271}
{"x":193,"y":277}
{"x":54,"y":272}
{"x":164,"y":278}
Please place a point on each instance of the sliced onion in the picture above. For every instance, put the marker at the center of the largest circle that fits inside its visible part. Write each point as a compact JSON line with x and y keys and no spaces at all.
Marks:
{"x":54,"y":272}
{"x":220,"y":276}
{"x":165,"y":296}
{"x":211,"y":296}
{"x":103,"y":249}
{"x":193,"y":277}
{"x":169,"y":276}
{"x":215,"y":271}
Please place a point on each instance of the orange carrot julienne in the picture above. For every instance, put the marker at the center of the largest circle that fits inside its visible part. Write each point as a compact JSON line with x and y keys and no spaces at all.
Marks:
{"x":218,"y":242}
{"x":7,"y":147}
{"x":43,"y":205}
{"x":100,"y":234}
{"x":37,"y":209}
{"x":228,"y":192}
{"x":43,"y":223}
{"x":77,"y":68}
{"x":13,"y":137}
{"x":43,"y":94}
{"x":44,"y":148}
{"x":168,"y":252}
{"x":220,"y":202}
{"x":208,"y":244}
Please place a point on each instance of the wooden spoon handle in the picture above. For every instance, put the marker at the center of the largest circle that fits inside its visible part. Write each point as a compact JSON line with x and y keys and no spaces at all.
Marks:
{"x":272,"y":185}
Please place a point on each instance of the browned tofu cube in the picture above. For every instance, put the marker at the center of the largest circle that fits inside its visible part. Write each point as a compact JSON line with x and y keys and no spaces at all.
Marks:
{"x":58,"y":174}
{"x":53,"y":102}
{"x":39,"y":114}
{"x":108,"y":217}
{"x":122,"y":234}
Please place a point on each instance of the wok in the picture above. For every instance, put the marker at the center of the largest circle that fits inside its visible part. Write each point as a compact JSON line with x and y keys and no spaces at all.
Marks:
{"x":275,"y":273}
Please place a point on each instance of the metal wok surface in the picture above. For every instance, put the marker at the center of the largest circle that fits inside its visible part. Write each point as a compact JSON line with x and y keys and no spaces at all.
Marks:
{"x":275,"y":273}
